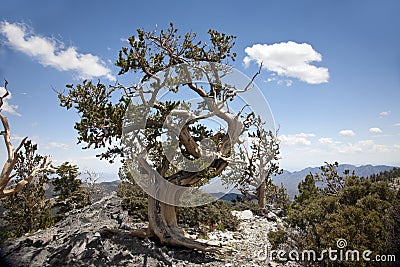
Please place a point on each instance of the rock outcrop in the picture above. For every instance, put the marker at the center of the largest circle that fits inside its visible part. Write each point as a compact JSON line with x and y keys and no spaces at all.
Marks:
{"x":83,"y":238}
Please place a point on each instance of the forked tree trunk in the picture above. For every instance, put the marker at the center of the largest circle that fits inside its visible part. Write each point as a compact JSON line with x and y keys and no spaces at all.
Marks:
{"x":163,"y":222}
{"x":163,"y":225}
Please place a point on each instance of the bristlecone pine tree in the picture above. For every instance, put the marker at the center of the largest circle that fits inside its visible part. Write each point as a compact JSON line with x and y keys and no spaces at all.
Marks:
{"x":28,"y":209}
{"x":102,"y":109}
{"x":7,"y":172}
{"x":255,"y":163}
{"x":68,"y":189}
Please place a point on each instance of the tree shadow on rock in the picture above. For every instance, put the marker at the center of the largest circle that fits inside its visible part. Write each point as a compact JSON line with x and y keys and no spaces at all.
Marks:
{"x":145,"y":252}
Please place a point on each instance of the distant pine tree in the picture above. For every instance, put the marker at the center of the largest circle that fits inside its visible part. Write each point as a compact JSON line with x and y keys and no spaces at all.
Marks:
{"x":387,"y":176}
{"x":68,"y":189}
{"x":396,"y":226}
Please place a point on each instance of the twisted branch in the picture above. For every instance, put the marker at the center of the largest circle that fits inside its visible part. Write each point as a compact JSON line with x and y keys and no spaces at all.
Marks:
{"x":12,"y":158}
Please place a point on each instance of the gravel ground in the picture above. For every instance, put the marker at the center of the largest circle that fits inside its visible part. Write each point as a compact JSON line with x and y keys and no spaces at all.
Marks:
{"x":80,"y":240}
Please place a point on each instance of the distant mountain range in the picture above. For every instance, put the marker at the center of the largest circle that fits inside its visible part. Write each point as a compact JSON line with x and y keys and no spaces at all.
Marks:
{"x":103,"y":188}
{"x":290,"y":180}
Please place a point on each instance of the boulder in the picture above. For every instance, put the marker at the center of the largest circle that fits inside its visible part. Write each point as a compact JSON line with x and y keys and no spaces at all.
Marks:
{"x":243,"y":215}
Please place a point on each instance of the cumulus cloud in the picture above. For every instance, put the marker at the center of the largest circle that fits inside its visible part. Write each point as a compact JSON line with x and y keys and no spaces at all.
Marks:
{"x":369,"y":145}
{"x":54,"y":54}
{"x":364,"y":146}
{"x":289,"y":59}
{"x":384,"y":113}
{"x":375,"y":130}
{"x":6,"y":107}
{"x":347,"y":133}
{"x":296,"y":139}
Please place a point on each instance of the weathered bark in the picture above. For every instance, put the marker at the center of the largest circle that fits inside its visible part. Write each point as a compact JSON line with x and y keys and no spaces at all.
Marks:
{"x":261,"y":195}
{"x":12,"y":159}
{"x":162,"y":217}
{"x":163,"y":223}
{"x":163,"y":226}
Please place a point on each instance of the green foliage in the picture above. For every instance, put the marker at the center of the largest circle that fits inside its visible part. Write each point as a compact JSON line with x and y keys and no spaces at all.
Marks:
{"x":28,"y":210}
{"x":101,"y":108}
{"x":101,"y":112}
{"x":254,"y":163}
{"x":277,"y":237}
{"x":395,"y":228}
{"x":134,"y":200}
{"x":333,"y":182}
{"x":101,"y":118}
{"x":387,"y":176}
{"x":391,"y":176}
{"x":68,"y":189}
{"x":215,"y":216}
{"x":307,"y":190}
{"x":358,"y":210}
{"x":180,"y":49}
{"x":277,"y":196}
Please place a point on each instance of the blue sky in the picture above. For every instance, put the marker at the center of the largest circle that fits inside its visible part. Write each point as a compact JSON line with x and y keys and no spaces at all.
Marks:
{"x":331,"y":68}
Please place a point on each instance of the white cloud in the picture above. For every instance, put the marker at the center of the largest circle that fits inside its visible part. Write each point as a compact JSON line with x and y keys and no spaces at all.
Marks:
{"x":16,"y":137}
{"x":288,"y":83}
{"x":296,"y":139}
{"x":305,"y":135}
{"x":359,"y":152}
{"x":375,"y":130}
{"x":385,"y":113}
{"x":364,"y":146}
{"x":397,"y":124}
{"x":289,"y":59}
{"x":348,"y":148}
{"x":347,"y":133}
{"x":52,"y":53}
{"x":326,"y":140}
{"x":369,"y":145}
{"x":58,"y":145}
{"x":6,"y":107}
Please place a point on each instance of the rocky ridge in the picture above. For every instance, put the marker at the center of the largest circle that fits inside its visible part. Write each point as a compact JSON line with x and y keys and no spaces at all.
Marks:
{"x":82,"y":238}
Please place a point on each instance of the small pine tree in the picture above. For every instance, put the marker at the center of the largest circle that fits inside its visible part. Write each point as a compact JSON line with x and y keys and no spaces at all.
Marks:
{"x":363,"y":212}
{"x":307,"y":189}
{"x":28,"y":210}
{"x":68,"y":189}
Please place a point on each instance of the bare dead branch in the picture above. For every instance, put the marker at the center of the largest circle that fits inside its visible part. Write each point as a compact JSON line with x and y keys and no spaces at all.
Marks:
{"x":249,"y":84}
{"x":12,"y":158}
{"x":44,"y":166}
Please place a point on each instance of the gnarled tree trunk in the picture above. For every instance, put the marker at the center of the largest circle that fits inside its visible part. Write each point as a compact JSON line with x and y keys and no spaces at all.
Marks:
{"x":162,"y":217}
{"x":12,"y":159}
{"x":261,"y":194}
{"x":163,"y":225}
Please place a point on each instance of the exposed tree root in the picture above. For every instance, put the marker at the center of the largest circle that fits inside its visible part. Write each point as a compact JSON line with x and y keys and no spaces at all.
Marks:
{"x":175,"y":240}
